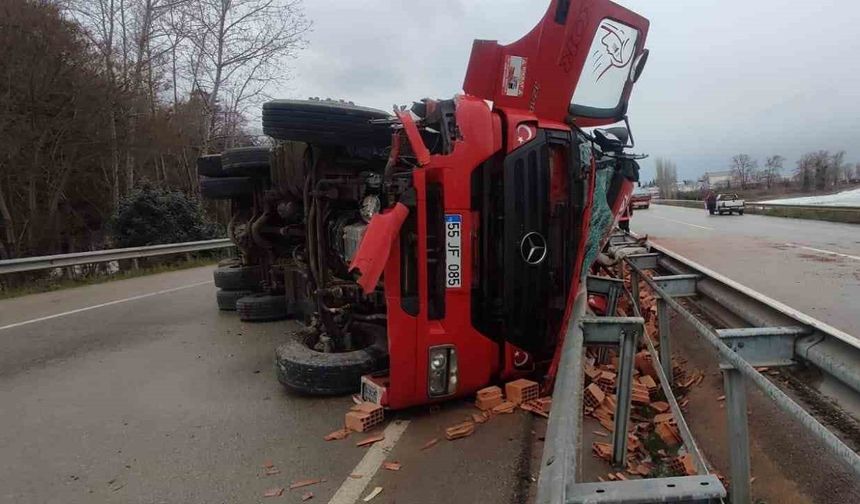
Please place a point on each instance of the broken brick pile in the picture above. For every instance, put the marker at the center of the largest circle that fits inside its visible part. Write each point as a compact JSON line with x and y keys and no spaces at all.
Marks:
{"x":654,"y":444}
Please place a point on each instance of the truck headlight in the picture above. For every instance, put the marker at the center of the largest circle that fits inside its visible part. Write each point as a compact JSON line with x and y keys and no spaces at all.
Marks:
{"x":442,"y":371}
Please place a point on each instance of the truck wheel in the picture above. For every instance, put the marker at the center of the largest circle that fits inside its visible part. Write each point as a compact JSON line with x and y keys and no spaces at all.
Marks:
{"x":301,"y":368}
{"x":238,"y":278}
{"x":325,"y":122}
{"x":246,"y":162}
{"x":226,"y":299}
{"x":710,"y":211}
{"x":262,"y":308}
{"x":740,"y":212}
{"x":209,"y":165}
{"x":225,"y":187}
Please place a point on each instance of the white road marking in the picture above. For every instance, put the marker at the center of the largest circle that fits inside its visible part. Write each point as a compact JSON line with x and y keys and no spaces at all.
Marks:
{"x":352,"y":488}
{"x":682,"y":222}
{"x":830,"y":252}
{"x":102,"y":305}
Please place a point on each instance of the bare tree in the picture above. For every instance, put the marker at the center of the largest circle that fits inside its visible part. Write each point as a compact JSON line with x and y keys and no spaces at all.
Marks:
{"x":744,"y":169}
{"x":239,"y":47}
{"x":667,"y":177}
{"x":772,"y":170}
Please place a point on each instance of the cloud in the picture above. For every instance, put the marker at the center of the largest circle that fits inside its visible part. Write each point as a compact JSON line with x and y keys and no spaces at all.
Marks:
{"x":723,"y":77}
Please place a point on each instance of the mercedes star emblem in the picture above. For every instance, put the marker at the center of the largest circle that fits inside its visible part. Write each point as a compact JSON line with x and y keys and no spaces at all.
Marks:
{"x":533,"y":248}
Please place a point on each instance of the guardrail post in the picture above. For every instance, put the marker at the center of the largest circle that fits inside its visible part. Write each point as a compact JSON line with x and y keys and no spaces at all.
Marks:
{"x":135,"y":264}
{"x":634,"y":289}
{"x":623,"y":389}
{"x":738,"y":435}
{"x":665,"y":338}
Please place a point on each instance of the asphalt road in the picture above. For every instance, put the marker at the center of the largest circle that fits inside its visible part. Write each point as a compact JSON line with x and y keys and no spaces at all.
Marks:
{"x":140,"y":391}
{"x":812,"y":266}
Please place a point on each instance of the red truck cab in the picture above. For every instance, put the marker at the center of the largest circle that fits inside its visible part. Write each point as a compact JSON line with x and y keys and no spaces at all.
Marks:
{"x":479,"y":277}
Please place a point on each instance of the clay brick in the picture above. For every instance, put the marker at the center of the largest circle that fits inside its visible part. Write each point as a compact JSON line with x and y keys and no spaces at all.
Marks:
{"x":602,"y":450}
{"x":460,"y":430}
{"x":364,"y":416}
{"x":649,"y":383}
{"x":488,"y":404}
{"x":645,"y":364}
{"x":505,"y":407}
{"x":663,"y":418}
{"x":488,"y":398}
{"x":488,"y":392}
{"x":522,"y":390}
{"x":592,"y":372}
{"x":593,"y":396}
{"x":606,"y":381}
{"x":682,"y":465}
{"x":545,"y":403}
{"x":660,"y":406}
{"x":611,"y":402}
{"x":667,"y":433}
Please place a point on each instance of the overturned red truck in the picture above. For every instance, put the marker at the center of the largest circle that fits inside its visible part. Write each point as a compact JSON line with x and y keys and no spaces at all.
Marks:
{"x":435,"y":251}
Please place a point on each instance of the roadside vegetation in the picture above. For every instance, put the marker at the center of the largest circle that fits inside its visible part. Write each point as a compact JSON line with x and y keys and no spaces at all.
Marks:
{"x":817,"y":172}
{"x":102,"y":97}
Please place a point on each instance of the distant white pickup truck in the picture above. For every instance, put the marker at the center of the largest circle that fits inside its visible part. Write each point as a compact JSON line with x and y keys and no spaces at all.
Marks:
{"x":728,"y":203}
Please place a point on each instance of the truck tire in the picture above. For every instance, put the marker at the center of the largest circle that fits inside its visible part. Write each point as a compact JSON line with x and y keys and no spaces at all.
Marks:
{"x":226,"y":299}
{"x":302,"y":369}
{"x":262,"y":308}
{"x":325,"y":122}
{"x":740,"y":212}
{"x":238,"y":278}
{"x":246,"y":162}
{"x":209,"y":165}
{"x":226,"y":187}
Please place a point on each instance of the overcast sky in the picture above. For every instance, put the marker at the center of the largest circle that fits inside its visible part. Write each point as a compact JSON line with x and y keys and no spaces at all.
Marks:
{"x":757,"y":76}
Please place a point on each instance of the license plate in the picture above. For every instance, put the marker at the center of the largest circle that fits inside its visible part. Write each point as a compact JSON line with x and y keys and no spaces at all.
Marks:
{"x":453,"y":251}
{"x":370,"y":392}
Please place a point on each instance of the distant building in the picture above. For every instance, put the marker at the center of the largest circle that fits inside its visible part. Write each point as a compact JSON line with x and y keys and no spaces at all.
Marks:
{"x":717,"y":179}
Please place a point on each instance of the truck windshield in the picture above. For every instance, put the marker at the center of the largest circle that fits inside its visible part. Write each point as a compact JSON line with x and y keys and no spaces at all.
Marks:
{"x":607,"y":70}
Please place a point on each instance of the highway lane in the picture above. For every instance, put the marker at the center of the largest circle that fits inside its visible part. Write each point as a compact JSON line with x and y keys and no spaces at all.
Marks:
{"x":813,"y":266}
{"x":161,"y":398}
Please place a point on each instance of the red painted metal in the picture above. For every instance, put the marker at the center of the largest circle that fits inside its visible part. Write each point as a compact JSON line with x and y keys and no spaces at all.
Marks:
{"x":551,"y":58}
{"x":372,"y":253}
{"x":554,"y":56}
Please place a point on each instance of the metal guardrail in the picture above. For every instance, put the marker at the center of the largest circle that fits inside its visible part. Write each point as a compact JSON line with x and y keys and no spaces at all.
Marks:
{"x":762,"y":204}
{"x":830,"y":213}
{"x":99,"y":256}
{"x":760,"y":332}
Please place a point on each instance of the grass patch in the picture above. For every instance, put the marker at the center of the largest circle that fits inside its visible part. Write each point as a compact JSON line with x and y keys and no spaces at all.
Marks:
{"x":46,"y":284}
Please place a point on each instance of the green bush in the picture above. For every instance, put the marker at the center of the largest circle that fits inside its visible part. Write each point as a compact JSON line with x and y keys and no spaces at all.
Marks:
{"x":152,"y":215}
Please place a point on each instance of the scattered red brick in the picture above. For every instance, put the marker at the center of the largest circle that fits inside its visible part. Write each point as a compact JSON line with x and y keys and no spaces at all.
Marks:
{"x":488,"y":398}
{"x":600,"y":433}
{"x":505,"y":407}
{"x":304,"y":483}
{"x":479,"y":417}
{"x":274,"y":492}
{"x":362,"y":417}
{"x":307,"y":496}
{"x":268,"y":464}
{"x":460,"y":430}
{"x":337,"y":435}
{"x":370,"y":440}
{"x":593,"y":396}
{"x":391,"y":466}
{"x":522,"y":390}
{"x":430,"y":444}
{"x":660,"y":406}
{"x":602,"y":450}
{"x":271,"y":471}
